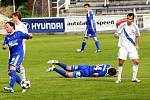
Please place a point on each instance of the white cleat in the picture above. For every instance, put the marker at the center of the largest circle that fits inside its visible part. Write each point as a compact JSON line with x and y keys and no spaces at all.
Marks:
{"x":97,"y":51}
{"x":24,"y":90}
{"x":136,"y":80}
{"x":53,"y":62}
{"x":79,"y":50}
{"x":50,"y":69}
{"x":118,"y":81}
{"x":8,"y":89}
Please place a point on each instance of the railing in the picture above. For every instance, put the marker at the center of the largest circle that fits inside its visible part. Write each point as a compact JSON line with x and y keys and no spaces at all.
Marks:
{"x":61,"y":3}
{"x":134,"y":8}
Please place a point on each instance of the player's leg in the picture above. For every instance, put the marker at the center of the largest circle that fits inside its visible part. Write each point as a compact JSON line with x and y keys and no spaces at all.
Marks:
{"x":97,"y":43}
{"x":14,"y":64}
{"x":22,"y":72}
{"x":122,"y":55}
{"x":66,"y":74}
{"x":135,"y":60}
{"x":12,"y":74}
{"x":61,"y":72}
{"x":56,"y":62}
{"x":68,"y":68}
{"x":64,"y":66}
{"x":84,"y":42}
{"x":120,"y":67}
{"x":135,"y":70}
{"x":74,"y":74}
{"x":22,"y":69}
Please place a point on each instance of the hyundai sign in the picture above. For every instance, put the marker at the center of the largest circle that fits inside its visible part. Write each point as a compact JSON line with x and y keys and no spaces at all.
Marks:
{"x":45,"y":25}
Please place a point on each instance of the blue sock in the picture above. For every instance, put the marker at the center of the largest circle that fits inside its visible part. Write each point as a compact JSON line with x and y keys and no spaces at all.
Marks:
{"x":12,"y":74}
{"x":83,"y":45}
{"x":64,"y":66}
{"x":97,"y":45}
{"x":61,"y":72}
{"x":18,"y":79}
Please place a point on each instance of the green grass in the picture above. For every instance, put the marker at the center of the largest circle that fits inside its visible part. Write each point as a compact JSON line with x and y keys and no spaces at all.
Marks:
{"x":51,"y":86}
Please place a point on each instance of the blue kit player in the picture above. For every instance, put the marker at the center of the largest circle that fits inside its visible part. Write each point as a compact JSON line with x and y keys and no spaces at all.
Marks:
{"x":90,"y":29}
{"x":13,"y":41}
{"x":82,"y":70}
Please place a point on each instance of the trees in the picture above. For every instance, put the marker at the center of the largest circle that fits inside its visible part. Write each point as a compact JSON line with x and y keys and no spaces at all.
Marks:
{"x":10,"y":2}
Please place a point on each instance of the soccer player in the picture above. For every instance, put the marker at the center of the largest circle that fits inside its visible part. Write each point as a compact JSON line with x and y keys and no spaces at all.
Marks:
{"x":13,"y":41}
{"x":128,"y":34}
{"x":23,"y":28}
{"x":90,"y":29}
{"x":82,"y":70}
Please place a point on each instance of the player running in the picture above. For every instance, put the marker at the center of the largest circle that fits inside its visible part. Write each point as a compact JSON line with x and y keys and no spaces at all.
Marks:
{"x":13,"y":41}
{"x":90,"y":29}
{"x":82,"y":70}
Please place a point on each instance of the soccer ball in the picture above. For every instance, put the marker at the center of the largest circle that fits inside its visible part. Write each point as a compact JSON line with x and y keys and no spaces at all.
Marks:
{"x":25,"y":84}
{"x":78,"y":50}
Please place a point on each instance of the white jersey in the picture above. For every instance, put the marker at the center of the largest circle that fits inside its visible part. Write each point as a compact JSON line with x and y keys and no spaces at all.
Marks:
{"x":125,"y":32}
{"x":21,"y":27}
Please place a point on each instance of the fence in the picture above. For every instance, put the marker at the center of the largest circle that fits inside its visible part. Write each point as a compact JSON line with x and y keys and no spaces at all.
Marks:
{"x":74,"y":23}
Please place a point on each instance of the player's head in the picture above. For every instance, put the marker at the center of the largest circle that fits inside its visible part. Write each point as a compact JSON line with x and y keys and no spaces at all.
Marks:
{"x":16,"y":16}
{"x":112,"y":72}
{"x":86,"y":6}
{"x":10,"y":27}
{"x":130,"y":18}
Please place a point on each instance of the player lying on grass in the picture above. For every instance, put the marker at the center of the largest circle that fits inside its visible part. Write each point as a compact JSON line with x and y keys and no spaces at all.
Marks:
{"x":13,"y":41}
{"x":82,"y":70}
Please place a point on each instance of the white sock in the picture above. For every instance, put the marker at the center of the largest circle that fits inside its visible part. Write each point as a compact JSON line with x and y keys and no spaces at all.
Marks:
{"x":22,"y":73}
{"x":119,"y":72}
{"x":135,"y":70}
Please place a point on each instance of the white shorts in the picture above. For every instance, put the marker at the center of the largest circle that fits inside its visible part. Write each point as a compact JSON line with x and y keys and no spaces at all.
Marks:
{"x":126,"y":52}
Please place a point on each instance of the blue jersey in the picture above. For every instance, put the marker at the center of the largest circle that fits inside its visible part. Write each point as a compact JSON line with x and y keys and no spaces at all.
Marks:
{"x":102,"y":69}
{"x":14,"y":41}
{"x":90,"y":17}
{"x":88,"y":71}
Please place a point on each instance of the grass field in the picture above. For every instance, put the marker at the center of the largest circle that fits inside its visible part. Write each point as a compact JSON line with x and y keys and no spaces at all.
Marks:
{"x":51,"y":86}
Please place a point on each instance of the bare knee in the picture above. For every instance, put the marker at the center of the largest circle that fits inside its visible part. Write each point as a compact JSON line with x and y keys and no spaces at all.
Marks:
{"x":69,"y":75}
{"x":135,"y":61}
{"x":12,"y":67}
{"x":121,"y":62}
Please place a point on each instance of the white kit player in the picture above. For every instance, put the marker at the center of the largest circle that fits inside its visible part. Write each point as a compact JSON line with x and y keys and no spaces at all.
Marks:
{"x":128,"y":34}
{"x":20,"y":26}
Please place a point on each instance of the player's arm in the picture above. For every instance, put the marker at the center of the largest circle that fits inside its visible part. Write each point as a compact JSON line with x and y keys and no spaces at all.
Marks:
{"x":5,"y":44}
{"x":119,"y":31}
{"x":95,"y":75}
{"x":137,"y":37}
{"x":137,"y":42}
{"x":90,"y":15}
{"x":26,"y":36}
{"x":92,"y":25}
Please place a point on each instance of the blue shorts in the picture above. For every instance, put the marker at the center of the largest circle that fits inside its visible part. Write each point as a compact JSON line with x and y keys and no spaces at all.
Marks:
{"x":15,"y":60}
{"x":82,"y":71}
{"x":89,"y":33}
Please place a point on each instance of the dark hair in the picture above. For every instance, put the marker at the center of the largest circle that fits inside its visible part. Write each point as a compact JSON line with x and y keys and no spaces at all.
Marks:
{"x":112,"y":71}
{"x":131,"y":14}
{"x":11,"y":24}
{"x":86,"y":5}
{"x":18,"y":14}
